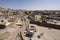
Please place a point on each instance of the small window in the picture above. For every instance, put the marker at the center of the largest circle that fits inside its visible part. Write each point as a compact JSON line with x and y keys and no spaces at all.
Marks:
{"x":19,"y":25}
{"x":2,"y":20}
{"x":32,"y":26}
{"x":21,"y":19}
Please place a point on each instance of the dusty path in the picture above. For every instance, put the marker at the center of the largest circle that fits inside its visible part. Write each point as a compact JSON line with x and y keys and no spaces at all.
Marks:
{"x":48,"y":34}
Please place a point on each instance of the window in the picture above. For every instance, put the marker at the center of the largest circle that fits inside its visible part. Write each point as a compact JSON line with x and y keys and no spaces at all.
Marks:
{"x":21,"y":19}
{"x":2,"y":20}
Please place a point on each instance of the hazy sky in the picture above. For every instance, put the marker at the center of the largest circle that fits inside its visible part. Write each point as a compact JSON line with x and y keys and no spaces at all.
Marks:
{"x":31,"y":4}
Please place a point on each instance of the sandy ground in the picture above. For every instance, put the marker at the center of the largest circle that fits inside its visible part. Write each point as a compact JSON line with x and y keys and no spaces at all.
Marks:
{"x":48,"y":34}
{"x":51,"y":34}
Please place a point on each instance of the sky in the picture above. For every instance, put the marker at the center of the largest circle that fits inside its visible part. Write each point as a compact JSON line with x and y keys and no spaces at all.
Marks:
{"x":31,"y":4}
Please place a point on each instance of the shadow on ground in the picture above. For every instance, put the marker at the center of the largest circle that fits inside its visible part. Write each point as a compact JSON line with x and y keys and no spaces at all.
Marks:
{"x":44,"y":24}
